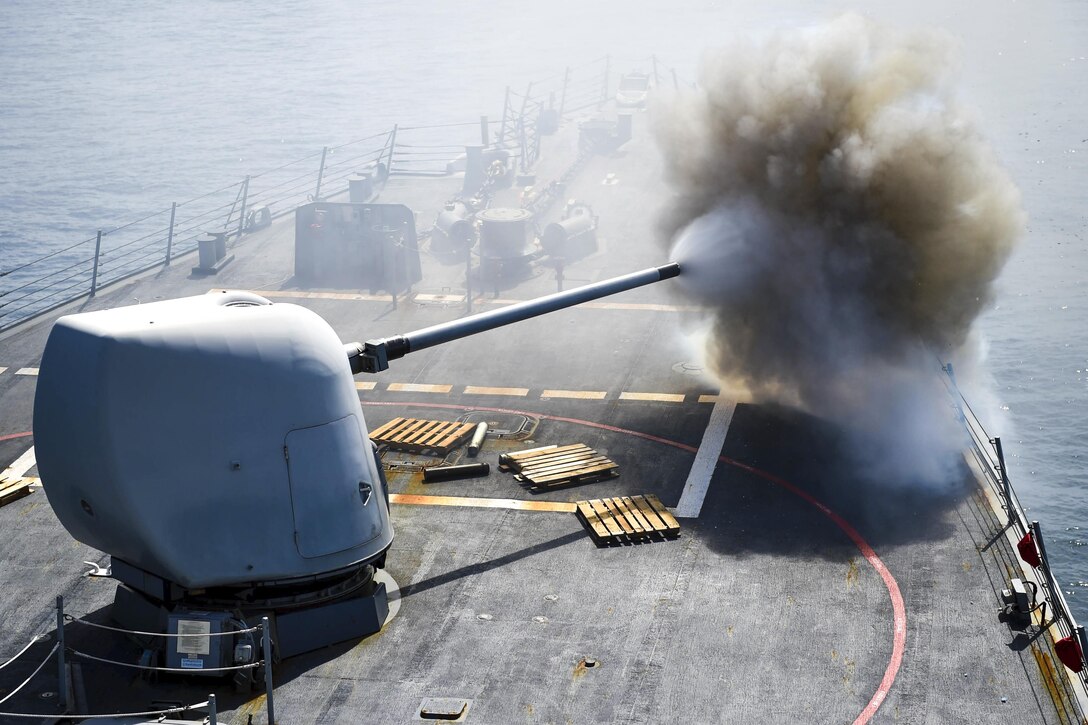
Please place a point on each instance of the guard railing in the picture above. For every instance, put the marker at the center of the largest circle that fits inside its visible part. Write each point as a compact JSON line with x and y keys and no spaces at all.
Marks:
{"x":1069,"y":641}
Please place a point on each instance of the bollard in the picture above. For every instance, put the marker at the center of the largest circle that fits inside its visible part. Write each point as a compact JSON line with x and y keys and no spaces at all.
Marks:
{"x":266,"y":650}
{"x":211,"y":709}
{"x":62,"y":670}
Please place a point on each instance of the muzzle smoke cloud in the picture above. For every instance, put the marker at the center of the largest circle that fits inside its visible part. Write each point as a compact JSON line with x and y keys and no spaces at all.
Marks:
{"x":843,"y":220}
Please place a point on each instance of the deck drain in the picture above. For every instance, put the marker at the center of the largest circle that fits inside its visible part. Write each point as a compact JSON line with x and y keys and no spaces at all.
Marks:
{"x":484,"y":617}
{"x":448,"y":709}
{"x":551,"y":597}
{"x":540,"y":620}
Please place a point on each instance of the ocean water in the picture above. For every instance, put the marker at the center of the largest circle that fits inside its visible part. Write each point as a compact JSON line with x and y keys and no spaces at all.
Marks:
{"x":112,"y":110}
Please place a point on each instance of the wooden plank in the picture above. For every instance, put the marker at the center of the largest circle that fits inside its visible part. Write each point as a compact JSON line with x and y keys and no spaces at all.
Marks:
{"x":568,"y":469}
{"x":435,"y":434}
{"x":598,"y":529}
{"x":606,"y":517}
{"x":420,"y":432}
{"x":457,"y":436}
{"x":572,"y":477}
{"x":396,"y":432}
{"x":523,"y":455}
{"x":506,"y":458}
{"x":633,"y":513}
{"x":551,"y":462}
{"x":16,"y":490}
{"x":660,"y":510}
{"x":571,"y":473}
{"x":648,"y":512}
{"x":383,"y":429}
{"x":618,"y":516}
{"x":632,"y":521}
{"x":546,"y":467}
{"x":544,"y":461}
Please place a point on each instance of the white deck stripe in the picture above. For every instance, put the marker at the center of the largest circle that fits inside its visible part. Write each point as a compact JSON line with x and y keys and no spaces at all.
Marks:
{"x":706,"y":460}
{"x":27,"y":371}
{"x":2,"y":369}
{"x":21,"y":465}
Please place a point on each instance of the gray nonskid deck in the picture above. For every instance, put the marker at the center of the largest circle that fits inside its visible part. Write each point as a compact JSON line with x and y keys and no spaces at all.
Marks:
{"x":763,"y":610}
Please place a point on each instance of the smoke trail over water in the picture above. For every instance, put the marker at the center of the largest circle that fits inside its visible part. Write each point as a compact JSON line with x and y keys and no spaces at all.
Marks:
{"x":843,"y":220}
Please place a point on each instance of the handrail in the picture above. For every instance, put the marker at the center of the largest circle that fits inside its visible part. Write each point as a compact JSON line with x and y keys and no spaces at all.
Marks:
{"x":988,"y":454}
{"x":32,"y":288}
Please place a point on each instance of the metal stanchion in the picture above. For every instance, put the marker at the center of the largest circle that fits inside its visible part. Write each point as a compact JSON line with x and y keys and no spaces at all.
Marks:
{"x":94,"y":270}
{"x":266,"y":652}
{"x":211,"y":709}
{"x":62,"y":670}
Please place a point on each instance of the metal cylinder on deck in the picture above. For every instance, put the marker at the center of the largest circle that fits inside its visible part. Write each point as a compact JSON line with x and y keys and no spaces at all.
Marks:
{"x":506,"y":240}
{"x":477,"y":441}
{"x":572,"y":237}
{"x":205,"y":245}
{"x":211,"y":247}
{"x":454,"y":225}
{"x":624,"y":120}
{"x":360,"y":188}
{"x":448,"y":473}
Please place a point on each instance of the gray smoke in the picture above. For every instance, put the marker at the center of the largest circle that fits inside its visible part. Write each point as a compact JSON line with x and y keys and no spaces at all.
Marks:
{"x":843,"y":219}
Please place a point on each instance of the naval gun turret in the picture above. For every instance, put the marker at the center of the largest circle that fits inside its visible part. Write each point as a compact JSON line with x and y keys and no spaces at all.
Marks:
{"x":215,"y":448}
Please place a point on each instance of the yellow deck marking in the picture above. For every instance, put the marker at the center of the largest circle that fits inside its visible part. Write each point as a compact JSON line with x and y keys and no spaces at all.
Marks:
{"x":578,"y":394}
{"x":422,"y":297}
{"x":365,"y":386}
{"x":27,"y":371}
{"x":490,"y":503}
{"x":419,"y":388}
{"x":708,"y":398}
{"x":481,"y":390}
{"x":659,"y":397}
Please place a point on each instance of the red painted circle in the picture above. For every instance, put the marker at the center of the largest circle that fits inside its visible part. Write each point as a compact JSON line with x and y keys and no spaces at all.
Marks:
{"x":899,"y":610}
{"x":9,"y":436}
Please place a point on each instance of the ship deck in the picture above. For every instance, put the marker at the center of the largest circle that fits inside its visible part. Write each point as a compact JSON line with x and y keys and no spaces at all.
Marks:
{"x":800,"y":593}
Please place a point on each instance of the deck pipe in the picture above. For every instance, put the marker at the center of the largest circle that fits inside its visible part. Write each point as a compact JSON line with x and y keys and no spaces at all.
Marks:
{"x":374,"y":355}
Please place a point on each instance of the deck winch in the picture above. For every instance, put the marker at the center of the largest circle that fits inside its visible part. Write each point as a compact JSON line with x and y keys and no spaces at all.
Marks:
{"x":215,"y":448}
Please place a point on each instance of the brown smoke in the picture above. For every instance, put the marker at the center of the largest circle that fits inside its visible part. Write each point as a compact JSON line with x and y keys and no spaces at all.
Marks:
{"x":842,"y":218}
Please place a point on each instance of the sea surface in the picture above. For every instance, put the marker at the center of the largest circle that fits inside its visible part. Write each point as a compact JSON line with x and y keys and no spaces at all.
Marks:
{"x":112,"y":110}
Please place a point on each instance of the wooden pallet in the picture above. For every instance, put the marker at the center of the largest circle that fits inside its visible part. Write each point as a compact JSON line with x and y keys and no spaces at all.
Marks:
{"x":554,"y":466}
{"x":628,"y":519}
{"x":422,"y":436}
{"x":15,"y":488}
